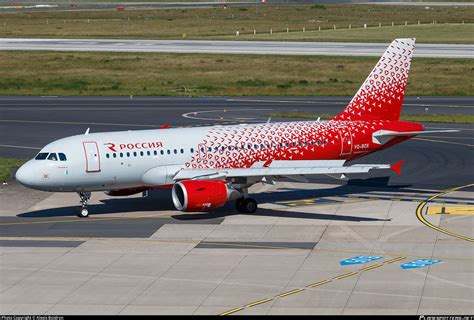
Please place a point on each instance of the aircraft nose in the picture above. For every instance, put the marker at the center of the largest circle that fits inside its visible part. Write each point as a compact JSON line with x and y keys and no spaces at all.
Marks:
{"x":24,"y":175}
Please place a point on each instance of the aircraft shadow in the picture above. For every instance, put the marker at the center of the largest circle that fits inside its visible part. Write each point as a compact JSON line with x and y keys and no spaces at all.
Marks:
{"x":274,"y":213}
{"x":160,"y":200}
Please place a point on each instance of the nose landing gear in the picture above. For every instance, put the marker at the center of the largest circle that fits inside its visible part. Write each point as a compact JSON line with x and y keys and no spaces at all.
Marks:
{"x":85,"y":196}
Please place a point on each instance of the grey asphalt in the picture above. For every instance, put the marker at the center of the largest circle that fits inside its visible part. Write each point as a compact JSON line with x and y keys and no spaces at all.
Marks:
{"x":29,"y":123}
{"x":233,"y":47}
{"x":138,"y":255}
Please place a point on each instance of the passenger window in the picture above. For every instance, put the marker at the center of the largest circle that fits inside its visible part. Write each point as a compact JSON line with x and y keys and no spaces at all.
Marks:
{"x":175,"y":151}
{"x":168,"y":151}
{"x":162,"y":152}
{"x":148,"y":153}
{"x":141,"y":153}
{"x":107,"y":156}
{"x":210,"y":149}
{"x":121,"y":155}
{"x":202,"y":150}
{"x":155,"y":153}
{"x":182,"y":150}
{"x":62,"y":156}
{"x":128,"y":154}
{"x":52,"y":156}
{"x":134,"y":153}
{"x":41,"y":156}
{"x":115,"y":155}
{"x":192,"y":150}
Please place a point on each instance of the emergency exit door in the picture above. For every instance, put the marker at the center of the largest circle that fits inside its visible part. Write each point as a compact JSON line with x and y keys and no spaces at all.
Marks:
{"x":346,"y":140}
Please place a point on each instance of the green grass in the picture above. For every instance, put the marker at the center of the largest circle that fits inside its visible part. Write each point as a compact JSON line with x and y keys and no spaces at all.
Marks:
{"x":438,"y":118}
{"x":430,"y":33}
{"x":210,"y":23}
{"x":8,"y":167}
{"x":98,"y":74}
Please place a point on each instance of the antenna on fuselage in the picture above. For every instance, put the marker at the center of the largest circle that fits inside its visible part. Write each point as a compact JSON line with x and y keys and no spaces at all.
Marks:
{"x":87,"y":131}
{"x":269,"y":119}
{"x":319,"y":118}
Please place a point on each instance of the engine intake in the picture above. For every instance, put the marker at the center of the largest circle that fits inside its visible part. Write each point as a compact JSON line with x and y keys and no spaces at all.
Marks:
{"x":199,"y":195}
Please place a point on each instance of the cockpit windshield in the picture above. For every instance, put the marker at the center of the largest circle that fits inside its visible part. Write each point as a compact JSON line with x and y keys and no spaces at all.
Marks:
{"x":41,"y":156}
{"x":51,"y":156}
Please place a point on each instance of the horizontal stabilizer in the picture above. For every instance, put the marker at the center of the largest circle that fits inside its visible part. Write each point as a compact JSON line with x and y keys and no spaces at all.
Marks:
{"x":397,"y":167}
{"x":383,"y":136}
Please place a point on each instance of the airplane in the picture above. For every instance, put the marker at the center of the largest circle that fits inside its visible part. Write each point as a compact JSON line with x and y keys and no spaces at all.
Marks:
{"x":205,"y":167}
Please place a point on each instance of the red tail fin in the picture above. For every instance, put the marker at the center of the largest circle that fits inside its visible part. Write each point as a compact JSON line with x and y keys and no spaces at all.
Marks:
{"x":381,"y":95}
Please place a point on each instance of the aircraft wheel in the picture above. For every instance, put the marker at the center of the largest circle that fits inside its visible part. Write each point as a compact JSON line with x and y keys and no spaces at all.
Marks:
{"x":249,"y":205}
{"x":84,"y":213}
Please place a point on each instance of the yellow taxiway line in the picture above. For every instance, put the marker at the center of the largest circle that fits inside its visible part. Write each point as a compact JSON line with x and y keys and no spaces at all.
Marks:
{"x":285,"y":294}
{"x":423,"y":204}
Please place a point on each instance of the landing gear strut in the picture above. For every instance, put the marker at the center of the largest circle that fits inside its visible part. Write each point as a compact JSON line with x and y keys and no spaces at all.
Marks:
{"x":246,"y":205}
{"x":85,"y":196}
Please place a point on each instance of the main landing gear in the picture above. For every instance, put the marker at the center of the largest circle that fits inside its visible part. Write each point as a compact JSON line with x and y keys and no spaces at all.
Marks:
{"x":246,"y":205}
{"x":85,"y":196}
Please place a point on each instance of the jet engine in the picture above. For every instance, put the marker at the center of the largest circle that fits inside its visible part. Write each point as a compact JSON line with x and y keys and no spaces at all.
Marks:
{"x":202,"y":195}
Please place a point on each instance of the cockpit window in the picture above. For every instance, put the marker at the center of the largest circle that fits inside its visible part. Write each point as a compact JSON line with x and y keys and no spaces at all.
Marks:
{"x":53,"y":157}
{"x":41,"y":156}
{"x":62,"y":156}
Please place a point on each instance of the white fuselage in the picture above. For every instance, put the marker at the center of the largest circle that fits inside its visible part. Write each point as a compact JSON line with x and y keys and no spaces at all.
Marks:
{"x":130,"y":159}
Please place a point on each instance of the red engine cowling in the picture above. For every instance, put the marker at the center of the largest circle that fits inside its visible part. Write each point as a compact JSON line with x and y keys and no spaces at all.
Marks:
{"x":200,"y":195}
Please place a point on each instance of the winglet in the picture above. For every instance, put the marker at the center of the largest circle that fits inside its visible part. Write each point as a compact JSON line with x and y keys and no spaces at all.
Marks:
{"x":397,"y":167}
{"x":166,"y":125}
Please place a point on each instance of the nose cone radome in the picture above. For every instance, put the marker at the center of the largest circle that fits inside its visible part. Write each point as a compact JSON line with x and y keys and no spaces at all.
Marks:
{"x":25,"y":175}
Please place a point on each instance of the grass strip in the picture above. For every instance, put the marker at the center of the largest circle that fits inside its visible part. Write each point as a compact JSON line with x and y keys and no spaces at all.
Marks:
{"x":161,"y":74}
{"x":215,"y":22}
{"x":8,"y":166}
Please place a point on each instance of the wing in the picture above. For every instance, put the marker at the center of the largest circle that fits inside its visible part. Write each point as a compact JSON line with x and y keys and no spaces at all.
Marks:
{"x":211,"y":174}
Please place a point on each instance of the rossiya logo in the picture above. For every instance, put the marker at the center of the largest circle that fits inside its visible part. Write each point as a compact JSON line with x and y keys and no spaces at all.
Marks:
{"x":111,"y":146}
{"x":133,"y":146}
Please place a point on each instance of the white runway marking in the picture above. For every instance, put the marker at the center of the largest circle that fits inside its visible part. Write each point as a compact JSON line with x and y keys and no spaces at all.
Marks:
{"x":193,"y":114}
{"x":85,"y":123}
{"x":20,"y":147}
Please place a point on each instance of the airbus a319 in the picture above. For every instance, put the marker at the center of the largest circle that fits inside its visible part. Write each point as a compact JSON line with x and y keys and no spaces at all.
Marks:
{"x":205,"y":167}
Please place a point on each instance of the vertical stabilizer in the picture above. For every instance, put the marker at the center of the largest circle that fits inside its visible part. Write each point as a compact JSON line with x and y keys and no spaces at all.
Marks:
{"x":381,"y":95}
